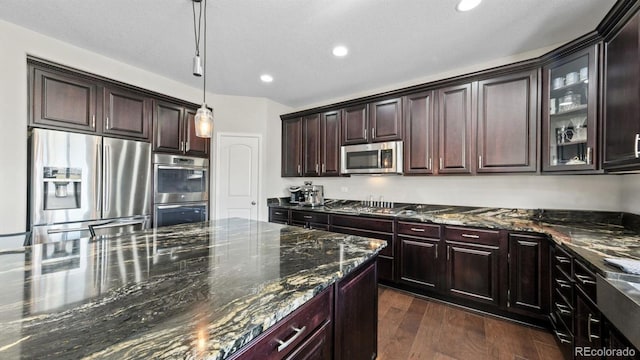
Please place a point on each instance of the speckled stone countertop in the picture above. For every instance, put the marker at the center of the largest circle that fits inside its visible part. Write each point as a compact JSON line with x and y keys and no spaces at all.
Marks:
{"x":592,"y":235}
{"x":181,"y":292}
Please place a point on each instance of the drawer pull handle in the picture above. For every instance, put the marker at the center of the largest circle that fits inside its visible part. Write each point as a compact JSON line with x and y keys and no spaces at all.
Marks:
{"x":471,"y":236}
{"x":564,"y":310}
{"x":562,"y":337}
{"x":585,"y":280}
{"x":417,"y":229}
{"x":563,"y":260}
{"x":563,"y":283}
{"x":284,"y":344}
{"x":308,"y":217}
{"x":278,"y":213}
{"x":592,"y":321}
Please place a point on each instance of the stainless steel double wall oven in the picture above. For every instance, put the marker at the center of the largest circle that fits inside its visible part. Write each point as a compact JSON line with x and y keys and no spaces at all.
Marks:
{"x":181,"y":189}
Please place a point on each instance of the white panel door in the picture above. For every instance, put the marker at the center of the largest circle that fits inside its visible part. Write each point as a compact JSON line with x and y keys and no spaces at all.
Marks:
{"x":238,"y":176}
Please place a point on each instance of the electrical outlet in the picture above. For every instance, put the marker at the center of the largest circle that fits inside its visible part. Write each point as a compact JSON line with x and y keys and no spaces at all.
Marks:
{"x":344,"y":189}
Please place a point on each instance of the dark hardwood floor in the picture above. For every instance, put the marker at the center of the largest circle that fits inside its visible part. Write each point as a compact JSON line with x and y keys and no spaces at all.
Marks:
{"x":413,"y":328}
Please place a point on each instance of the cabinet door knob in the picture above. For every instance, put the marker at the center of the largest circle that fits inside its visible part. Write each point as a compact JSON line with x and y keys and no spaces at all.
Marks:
{"x":317,"y":168}
{"x":636,"y":150}
{"x":373,"y":133}
{"x":589,"y":151}
{"x":299,"y":169}
{"x":480,"y":161}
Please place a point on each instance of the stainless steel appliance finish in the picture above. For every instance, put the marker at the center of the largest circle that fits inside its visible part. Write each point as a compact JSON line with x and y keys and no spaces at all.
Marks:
{"x":376,"y":158}
{"x":180,"y":179}
{"x":77,"y":177}
{"x":313,"y":194}
{"x":173,"y":214}
{"x":619,"y":300}
{"x":297,"y":196}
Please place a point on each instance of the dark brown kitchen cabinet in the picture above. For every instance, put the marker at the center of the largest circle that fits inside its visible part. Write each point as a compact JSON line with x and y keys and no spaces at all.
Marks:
{"x":474,"y":264}
{"x":455,"y":119}
{"x":126,"y":113}
{"x":419,"y":138}
{"x":385,"y":120}
{"x":311,"y":145}
{"x":621,"y":94}
{"x":279,"y":215}
{"x":310,"y":219}
{"x":375,"y":122}
{"x":506,"y":123}
{"x":292,"y":147}
{"x":60,"y":99}
{"x":330,"y":144}
{"x":420,"y":245}
{"x":174,"y":130}
{"x":354,"y":125}
{"x":587,"y":326}
{"x":382,"y":229}
{"x":570,"y":112}
{"x":529,"y":276}
{"x":321,"y":144}
{"x":356,"y":315}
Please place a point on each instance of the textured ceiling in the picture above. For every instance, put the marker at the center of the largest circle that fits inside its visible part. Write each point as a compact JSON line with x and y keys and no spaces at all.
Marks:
{"x":389,"y":41}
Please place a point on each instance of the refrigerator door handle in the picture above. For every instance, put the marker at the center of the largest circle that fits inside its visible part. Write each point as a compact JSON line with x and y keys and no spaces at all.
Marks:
{"x":107,"y":175}
{"x":98,"y":183}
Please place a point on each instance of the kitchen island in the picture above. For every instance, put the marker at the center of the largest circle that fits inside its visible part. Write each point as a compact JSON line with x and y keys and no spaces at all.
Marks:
{"x":205,"y":290}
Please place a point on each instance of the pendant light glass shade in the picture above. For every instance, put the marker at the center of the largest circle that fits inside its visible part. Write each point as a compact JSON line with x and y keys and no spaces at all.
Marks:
{"x":204,"y":122}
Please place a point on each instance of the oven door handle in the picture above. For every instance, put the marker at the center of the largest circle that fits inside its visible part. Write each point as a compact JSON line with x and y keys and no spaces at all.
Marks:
{"x":195,"y":168}
{"x":163,"y":207}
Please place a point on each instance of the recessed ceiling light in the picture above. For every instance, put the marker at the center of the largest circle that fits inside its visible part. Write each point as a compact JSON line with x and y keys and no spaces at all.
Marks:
{"x":340,"y":51}
{"x":466,"y":5}
{"x":266,"y":78}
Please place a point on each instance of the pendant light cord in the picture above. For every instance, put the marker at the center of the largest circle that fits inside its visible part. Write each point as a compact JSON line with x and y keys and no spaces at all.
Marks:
{"x":204,"y":65}
{"x":196,"y":30}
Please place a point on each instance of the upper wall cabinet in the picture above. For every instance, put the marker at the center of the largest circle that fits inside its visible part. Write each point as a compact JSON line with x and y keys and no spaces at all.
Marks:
{"x":174,"y":130}
{"x":375,"y":122}
{"x":569,"y":112}
{"x":455,"y":116}
{"x":60,"y":99}
{"x":419,"y":139}
{"x":507,"y":123}
{"x":126,"y":113}
{"x":292,"y":147}
{"x":622,"y":98}
{"x":311,"y":145}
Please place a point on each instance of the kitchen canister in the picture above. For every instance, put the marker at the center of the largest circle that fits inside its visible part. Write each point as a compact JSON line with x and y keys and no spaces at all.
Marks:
{"x":558,"y":82}
{"x":584,"y":73}
{"x":571,"y":78}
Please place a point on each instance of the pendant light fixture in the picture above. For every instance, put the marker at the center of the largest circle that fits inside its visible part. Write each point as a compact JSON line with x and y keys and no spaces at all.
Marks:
{"x":204,"y":116}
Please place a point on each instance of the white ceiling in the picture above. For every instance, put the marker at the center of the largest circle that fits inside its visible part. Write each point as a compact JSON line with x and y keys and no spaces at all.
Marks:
{"x":390,"y":41}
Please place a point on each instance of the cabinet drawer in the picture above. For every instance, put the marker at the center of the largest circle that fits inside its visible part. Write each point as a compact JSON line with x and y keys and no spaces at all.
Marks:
{"x":562,"y":260}
{"x":317,"y":347}
{"x":585,"y":280}
{"x":356,"y":222}
{"x":308,"y":216}
{"x":477,"y":236}
{"x":562,"y":310}
{"x":290,"y":332}
{"x":388,"y":237}
{"x":563,"y":285}
{"x":279,"y":215}
{"x":418,"y":229}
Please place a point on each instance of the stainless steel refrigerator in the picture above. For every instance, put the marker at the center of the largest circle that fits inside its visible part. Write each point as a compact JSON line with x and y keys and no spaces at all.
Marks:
{"x":78,"y":180}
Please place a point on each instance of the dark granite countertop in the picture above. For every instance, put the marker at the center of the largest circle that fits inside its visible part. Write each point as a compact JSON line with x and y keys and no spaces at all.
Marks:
{"x":593,"y":235}
{"x":187,"y":291}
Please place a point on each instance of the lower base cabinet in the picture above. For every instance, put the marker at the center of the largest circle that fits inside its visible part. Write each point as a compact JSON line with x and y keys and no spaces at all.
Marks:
{"x":356,"y":316}
{"x":339,"y":323}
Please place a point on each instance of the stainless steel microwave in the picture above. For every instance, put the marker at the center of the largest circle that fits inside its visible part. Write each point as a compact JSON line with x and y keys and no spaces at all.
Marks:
{"x":376,"y":158}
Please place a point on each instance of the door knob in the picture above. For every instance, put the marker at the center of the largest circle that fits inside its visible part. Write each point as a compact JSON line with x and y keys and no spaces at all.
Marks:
{"x":253,"y":203}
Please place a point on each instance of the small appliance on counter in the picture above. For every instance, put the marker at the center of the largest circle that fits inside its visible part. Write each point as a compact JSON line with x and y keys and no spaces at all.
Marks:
{"x":313,"y":194}
{"x":296,"y":195}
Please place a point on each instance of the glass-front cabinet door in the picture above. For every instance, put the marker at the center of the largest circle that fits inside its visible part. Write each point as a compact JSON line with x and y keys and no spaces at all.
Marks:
{"x":569,"y":112}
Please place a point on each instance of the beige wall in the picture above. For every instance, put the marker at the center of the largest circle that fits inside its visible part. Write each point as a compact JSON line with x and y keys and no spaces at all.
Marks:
{"x":232,"y":113}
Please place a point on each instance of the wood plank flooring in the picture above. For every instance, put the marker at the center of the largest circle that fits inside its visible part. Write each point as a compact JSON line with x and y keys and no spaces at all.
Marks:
{"x":413,"y":328}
